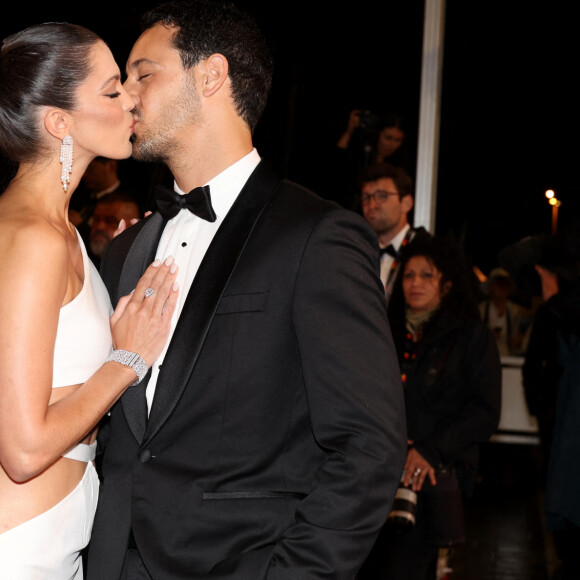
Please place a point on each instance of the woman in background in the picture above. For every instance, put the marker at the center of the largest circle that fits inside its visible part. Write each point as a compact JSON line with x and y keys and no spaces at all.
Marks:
{"x":451,"y":372}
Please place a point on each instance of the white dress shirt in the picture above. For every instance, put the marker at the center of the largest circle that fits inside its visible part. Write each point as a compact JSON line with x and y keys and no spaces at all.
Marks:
{"x":386,"y":259}
{"x":187,"y":237}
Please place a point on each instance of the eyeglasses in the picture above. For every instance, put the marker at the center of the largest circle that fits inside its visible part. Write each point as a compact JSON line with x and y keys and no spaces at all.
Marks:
{"x":379,"y":196}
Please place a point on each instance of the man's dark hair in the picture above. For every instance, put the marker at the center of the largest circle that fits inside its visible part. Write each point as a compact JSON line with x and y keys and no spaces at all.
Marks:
{"x":204,"y":28}
{"x":400,"y":177}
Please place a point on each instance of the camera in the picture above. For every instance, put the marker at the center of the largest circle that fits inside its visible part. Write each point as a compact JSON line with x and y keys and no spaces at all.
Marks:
{"x":368,"y":120}
{"x":368,"y":130}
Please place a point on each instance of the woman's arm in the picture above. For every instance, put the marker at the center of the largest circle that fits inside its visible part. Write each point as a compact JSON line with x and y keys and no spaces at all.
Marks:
{"x":353,"y":124}
{"x":35,"y":281}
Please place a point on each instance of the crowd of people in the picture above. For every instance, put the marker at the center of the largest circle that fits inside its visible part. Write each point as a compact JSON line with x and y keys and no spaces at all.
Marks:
{"x":237,"y":384}
{"x":537,"y":323}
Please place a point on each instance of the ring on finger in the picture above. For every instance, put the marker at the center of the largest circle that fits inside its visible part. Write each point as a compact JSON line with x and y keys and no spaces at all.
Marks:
{"x":149,"y":292}
{"x":417,"y":472}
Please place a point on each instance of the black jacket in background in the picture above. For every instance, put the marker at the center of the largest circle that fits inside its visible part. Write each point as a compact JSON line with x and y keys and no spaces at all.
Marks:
{"x":452,"y":392}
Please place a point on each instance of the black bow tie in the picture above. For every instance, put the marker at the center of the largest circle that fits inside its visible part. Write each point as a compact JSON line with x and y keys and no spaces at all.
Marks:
{"x":197,"y":201}
{"x":389,"y":250}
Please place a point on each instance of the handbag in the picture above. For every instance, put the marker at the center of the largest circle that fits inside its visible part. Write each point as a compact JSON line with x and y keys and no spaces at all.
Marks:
{"x":443,"y":509}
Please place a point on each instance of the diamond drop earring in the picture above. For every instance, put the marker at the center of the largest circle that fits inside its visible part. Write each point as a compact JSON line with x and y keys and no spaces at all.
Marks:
{"x":66,"y":158}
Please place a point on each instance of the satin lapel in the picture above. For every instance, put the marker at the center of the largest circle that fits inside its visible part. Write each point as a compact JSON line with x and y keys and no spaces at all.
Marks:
{"x":205,"y":293}
{"x":140,"y":255}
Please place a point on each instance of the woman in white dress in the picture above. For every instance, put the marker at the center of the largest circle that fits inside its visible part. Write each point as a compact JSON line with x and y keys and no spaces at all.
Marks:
{"x":65,"y":358}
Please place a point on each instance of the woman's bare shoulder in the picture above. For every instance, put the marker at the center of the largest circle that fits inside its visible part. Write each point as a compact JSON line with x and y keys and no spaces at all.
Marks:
{"x":30,"y":234}
{"x":32,"y":250}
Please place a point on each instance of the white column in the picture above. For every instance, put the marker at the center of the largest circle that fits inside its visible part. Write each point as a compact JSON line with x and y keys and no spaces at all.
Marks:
{"x":429,"y":114}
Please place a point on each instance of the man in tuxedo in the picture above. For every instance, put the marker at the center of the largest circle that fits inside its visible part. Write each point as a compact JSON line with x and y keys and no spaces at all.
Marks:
{"x":386,"y":197}
{"x":269,"y":439}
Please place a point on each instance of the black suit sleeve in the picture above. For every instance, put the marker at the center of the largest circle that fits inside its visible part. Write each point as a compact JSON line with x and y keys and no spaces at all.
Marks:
{"x":355,"y":399}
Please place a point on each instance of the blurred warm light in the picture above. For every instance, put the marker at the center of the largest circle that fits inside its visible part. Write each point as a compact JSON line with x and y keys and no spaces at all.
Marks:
{"x":555,"y":203}
{"x":480,"y":275}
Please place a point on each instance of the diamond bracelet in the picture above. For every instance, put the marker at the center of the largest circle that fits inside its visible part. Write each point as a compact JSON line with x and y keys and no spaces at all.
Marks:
{"x":132,"y":360}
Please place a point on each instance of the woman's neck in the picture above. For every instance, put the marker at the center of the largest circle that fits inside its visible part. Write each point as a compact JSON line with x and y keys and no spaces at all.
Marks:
{"x":416,"y":320}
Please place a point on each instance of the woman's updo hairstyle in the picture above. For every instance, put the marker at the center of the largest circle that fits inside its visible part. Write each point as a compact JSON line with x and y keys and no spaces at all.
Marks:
{"x":42,"y":65}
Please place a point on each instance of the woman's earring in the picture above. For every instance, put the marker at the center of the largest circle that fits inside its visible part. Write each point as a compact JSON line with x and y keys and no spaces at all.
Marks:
{"x":66,"y":158}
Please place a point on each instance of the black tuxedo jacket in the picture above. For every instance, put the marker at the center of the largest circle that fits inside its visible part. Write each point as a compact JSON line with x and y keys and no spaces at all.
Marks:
{"x":277,"y":435}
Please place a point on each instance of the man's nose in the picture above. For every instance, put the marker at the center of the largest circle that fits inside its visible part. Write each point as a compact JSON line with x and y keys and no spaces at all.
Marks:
{"x":131,"y":89}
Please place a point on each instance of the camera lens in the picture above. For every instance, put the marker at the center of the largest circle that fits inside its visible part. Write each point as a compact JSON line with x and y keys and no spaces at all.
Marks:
{"x":402,"y":515}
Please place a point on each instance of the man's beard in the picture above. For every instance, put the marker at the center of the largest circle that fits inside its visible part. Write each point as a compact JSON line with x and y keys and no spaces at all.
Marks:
{"x":98,"y":244}
{"x":157,"y":145}
{"x":149,"y":149}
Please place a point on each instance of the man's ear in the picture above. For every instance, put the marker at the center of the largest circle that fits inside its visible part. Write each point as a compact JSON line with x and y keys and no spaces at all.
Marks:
{"x":214,"y":70}
{"x":57,"y":123}
{"x":407,"y":203}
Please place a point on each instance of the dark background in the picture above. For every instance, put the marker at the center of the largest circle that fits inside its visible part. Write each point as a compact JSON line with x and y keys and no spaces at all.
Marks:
{"x":509,"y":119}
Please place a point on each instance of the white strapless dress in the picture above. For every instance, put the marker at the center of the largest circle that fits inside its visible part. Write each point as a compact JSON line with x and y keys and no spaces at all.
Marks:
{"x":48,"y":547}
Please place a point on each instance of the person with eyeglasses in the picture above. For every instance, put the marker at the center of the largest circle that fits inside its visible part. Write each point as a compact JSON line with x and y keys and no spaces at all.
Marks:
{"x":99,"y":179}
{"x":386,"y":198}
{"x":108,"y":213}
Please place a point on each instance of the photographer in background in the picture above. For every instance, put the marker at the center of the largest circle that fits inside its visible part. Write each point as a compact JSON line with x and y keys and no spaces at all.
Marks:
{"x":375,"y":139}
{"x":367,"y":139}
